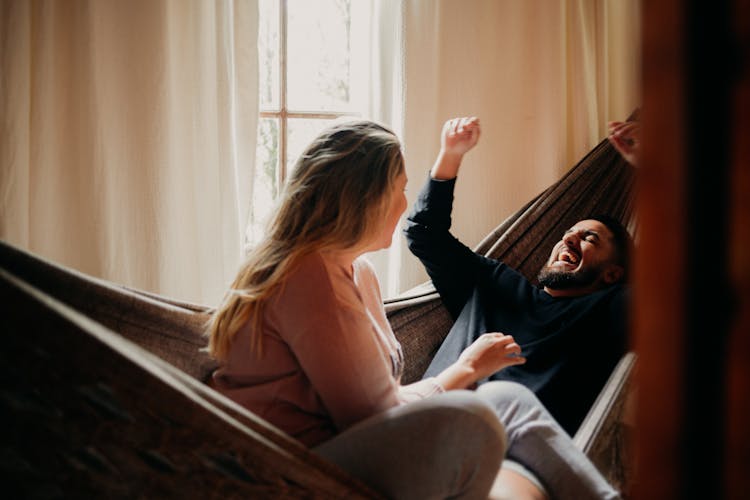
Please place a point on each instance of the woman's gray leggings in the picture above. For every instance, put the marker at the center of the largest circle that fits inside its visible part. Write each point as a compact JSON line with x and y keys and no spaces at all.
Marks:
{"x":452,"y":445}
{"x":536,"y":441}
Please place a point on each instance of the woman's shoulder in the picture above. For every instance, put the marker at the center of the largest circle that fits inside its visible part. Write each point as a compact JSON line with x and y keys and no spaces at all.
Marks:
{"x":305,"y":272}
{"x":362,"y":267}
{"x":311,"y":263}
{"x":365,"y":278}
{"x":317,"y":278}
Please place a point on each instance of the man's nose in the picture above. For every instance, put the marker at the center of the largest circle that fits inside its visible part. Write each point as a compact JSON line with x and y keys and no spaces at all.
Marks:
{"x":571,"y":238}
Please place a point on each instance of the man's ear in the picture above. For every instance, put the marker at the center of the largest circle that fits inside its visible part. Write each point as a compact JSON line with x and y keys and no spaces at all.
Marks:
{"x":613,"y":274}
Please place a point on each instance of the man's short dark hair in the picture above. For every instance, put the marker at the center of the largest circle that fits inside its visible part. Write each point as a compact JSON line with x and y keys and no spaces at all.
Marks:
{"x":622,"y":239}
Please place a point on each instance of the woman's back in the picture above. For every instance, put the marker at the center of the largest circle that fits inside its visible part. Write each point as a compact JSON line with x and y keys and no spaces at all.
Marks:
{"x":322,"y":325}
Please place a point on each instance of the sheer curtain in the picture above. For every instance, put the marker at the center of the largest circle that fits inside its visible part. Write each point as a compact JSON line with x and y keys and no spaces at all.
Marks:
{"x":129,"y":128}
{"x":544,"y":77}
{"x":128,"y":137}
{"x":384,"y":71}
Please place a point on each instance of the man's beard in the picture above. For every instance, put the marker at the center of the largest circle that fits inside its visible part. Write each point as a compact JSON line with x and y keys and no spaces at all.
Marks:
{"x":556,"y":279}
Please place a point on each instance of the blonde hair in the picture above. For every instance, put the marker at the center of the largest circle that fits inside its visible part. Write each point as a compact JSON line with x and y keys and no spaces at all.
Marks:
{"x":336,"y":198}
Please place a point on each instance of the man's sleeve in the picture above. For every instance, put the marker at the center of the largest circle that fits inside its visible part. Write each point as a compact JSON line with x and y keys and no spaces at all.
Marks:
{"x":453,"y":267}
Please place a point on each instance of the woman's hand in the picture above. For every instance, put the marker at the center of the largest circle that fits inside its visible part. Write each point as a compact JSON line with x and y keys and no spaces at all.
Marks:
{"x":625,"y":137}
{"x":488,"y":354}
{"x":459,"y":135}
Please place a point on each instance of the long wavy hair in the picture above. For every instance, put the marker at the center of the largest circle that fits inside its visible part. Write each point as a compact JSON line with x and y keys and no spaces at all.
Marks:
{"x":337,"y":198}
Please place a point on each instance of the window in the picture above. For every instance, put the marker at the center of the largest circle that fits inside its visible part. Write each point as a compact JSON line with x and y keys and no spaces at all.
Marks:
{"x":310,"y":57}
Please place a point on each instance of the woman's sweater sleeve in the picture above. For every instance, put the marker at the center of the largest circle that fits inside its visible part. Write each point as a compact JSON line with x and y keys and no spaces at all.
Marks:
{"x":419,"y":390}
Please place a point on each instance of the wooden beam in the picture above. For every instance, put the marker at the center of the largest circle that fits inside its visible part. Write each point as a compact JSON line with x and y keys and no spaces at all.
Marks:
{"x":692,"y":275}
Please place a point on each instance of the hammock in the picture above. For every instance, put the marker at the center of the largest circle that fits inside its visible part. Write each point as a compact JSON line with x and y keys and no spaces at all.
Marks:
{"x":105,"y":383}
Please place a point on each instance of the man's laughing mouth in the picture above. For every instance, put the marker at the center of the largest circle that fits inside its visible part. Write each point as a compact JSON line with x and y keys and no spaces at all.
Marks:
{"x":568,"y":258}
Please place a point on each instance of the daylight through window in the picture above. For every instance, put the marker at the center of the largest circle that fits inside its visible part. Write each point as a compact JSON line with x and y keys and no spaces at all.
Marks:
{"x":308,"y":57}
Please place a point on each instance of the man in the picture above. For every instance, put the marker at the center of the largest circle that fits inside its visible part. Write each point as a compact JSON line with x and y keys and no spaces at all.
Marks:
{"x":572,"y":330}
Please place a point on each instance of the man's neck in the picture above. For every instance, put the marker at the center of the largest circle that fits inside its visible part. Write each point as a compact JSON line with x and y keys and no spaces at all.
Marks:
{"x":572,"y":292}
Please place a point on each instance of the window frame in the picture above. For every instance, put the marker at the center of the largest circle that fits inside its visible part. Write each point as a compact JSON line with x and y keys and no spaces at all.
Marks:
{"x":283,"y":114}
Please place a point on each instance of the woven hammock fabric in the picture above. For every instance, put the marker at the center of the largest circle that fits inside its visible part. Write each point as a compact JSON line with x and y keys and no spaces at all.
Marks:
{"x":104,"y":383}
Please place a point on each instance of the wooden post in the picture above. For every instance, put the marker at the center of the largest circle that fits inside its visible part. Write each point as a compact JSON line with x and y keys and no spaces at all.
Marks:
{"x":692,"y":288}
{"x":738,"y":362}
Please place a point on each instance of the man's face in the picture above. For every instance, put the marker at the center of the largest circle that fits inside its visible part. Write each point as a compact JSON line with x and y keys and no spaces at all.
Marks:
{"x":583,"y":261}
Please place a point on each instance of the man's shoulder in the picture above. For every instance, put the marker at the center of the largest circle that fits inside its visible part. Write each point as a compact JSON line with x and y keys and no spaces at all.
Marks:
{"x":619,"y":291}
{"x":612,"y":300}
{"x":504,"y":271}
{"x":612,"y":293}
{"x":499,"y":275}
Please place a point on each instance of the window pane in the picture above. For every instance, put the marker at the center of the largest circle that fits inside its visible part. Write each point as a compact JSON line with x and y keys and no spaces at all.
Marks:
{"x":300,"y":133}
{"x":318,"y":63}
{"x":264,"y":181}
{"x":268,"y":53}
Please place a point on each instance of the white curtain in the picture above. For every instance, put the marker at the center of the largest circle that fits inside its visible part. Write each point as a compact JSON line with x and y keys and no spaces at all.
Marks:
{"x":383,"y":70}
{"x":543,"y":76}
{"x":128,"y":137}
{"x":129,"y":128}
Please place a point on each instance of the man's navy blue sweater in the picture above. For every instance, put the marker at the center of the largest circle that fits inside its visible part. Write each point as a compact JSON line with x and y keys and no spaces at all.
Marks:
{"x":571,"y":344}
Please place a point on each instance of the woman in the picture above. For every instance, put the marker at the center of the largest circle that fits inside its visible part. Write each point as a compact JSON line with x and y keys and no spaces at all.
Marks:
{"x":302,"y":336}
